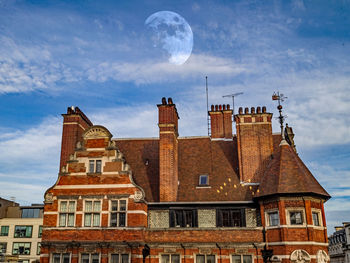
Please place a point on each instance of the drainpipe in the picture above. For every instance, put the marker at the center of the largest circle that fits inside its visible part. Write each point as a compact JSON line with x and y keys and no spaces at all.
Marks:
{"x":184,"y":252}
{"x":219,"y":251}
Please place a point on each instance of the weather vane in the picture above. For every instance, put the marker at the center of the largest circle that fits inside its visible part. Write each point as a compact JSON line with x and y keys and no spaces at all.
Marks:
{"x":280,"y":98}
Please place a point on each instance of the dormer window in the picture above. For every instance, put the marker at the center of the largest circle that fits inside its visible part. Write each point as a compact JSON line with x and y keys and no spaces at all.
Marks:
{"x":95,"y":166}
{"x":203,"y":180}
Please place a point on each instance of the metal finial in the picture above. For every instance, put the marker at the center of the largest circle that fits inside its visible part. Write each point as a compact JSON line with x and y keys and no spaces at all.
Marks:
{"x":280,"y":98}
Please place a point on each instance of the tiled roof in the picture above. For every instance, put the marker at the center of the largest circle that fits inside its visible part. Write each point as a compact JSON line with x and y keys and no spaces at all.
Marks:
{"x":218,"y":158}
{"x":287,"y":174}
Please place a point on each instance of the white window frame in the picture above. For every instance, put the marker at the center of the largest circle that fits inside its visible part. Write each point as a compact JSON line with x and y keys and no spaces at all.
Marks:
{"x":170,"y":255}
{"x":205,"y":257}
{"x":110,"y":212}
{"x":319,"y":212}
{"x":120,"y":258}
{"x":95,"y":166}
{"x":199,"y":180}
{"x":295,"y":209}
{"x":241,"y":255}
{"x":23,"y":242}
{"x":67,"y":212}
{"x":92,"y":212}
{"x":267,"y":217}
{"x":61,"y":257}
{"x":90,"y":254}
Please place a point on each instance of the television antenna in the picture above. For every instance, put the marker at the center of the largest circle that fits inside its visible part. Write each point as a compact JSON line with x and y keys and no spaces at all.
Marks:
{"x":233,"y":99}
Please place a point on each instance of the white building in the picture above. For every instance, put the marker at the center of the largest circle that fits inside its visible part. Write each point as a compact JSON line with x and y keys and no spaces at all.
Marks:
{"x":20,"y":233}
{"x":339,"y":244}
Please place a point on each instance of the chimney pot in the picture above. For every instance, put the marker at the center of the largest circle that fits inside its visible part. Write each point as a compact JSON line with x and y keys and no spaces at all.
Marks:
{"x":220,"y":107}
{"x":264,"y":109}
{"x":216,"y":107}
{"x":246,"y":110}
{"x":228,"y":106}
{"x":258,"y":109}
{"x":224,"y":107}
{"x":164,"y":101}
{"x":240,"y":110}
{"x":212,"y":107}
{"x":252,"y":110}
{"x":170,"y":101}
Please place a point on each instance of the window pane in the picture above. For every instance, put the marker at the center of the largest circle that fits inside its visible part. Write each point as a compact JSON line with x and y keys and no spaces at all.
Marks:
{"x":122,"y":205}
{"x":29,"y":231}
{"x":88,"y":206}
{"x":65,"y":258}
{"x":203,"y":180}
{"x":40,"y":232}
{"x":115,"y":258}
{"x":95,"y":258}
{"x":70,"y":220}
{"x":56,"y":258}
{"x":3,"y":247}
{"x":178,"y":218}
{"x":98,"y":166}
{"x":62,"y":220}
{"x":125,"y":258}
{"x":84,"y":258}
{"x":121,"y":219}
{"x":273,"y":219}
{"x":200,"y":259}
{"x":96,"y":219}
{"x":236,"y":258}
{"x":210,"y":259}
{"x":236,"y":218}
{"x":91,"y":166}
{"x":4,"y":231}
{"x":97,"y":206}
{"x":38,"y":249}
{"x":71,"y":207}
{"x":247,"y":259}
{"x":165,"y":259}
{"x":113,"y":219}
{"x":188,"y":218}
{"x":315,"y":218}
{"x":226,"y":218}
{"x":296,"y":218}
{"x":63,"y":207}
{"x":114,"y":205}
{"x":175,"y":259}
{"x":87,"y":220}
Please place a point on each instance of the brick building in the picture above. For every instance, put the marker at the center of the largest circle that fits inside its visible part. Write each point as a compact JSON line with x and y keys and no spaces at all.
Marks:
{"x":219,"y":199}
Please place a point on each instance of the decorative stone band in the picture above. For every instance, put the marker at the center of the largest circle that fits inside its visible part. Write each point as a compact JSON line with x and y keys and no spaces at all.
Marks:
{"x":298,"y":243}
{"x":94,"y":186}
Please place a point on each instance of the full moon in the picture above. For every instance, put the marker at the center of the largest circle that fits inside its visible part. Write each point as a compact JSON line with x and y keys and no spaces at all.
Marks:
{"x":172,"y":33}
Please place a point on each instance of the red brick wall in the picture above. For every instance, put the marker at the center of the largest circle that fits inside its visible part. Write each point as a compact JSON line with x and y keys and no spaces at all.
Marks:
{"x":254,"y":142}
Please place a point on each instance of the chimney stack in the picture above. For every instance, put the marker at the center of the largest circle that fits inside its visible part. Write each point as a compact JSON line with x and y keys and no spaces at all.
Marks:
{"x":221,"y":121}
{"x":168,"y":151}
{"x":75,"y":123}
{"x":254,"y":142}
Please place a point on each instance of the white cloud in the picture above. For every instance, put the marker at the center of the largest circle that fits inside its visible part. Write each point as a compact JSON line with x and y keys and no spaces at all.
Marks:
{"x":150,"y":72}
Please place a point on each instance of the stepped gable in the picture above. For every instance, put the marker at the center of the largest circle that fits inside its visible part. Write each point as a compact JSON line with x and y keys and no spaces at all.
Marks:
{"x":287,"y":174}
{"x":194,"y":160}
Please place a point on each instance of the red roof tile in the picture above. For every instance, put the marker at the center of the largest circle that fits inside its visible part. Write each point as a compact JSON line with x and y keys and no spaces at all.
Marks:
{"x":287,"y":174}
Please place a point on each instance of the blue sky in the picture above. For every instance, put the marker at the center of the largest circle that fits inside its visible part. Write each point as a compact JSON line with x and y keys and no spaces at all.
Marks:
{"x":98,"y":55}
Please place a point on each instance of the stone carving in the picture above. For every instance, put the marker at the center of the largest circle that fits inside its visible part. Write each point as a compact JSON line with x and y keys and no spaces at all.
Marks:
{"x":49,"y":198}
{"x":63,"y":169}
{"x":276,"y":259}
{"x":300,"y":256}
{"x":71,"y":157}
{"x":79,"y":145}
{"x":138,"y":195}
{"x":322,"y":257}
{"x":126,"y":167}
{"x":112,"y":144}
{"x":97,"y":132}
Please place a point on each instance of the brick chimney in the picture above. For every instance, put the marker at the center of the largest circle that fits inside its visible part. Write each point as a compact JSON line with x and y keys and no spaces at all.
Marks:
{"x":168,"y":151}
{"x":221,"y":121}
{"x":74,"y":124}
{"x":254,"y":142}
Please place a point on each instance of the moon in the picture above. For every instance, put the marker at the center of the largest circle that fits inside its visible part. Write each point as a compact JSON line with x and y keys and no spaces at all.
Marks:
{"x":172,"y":33}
